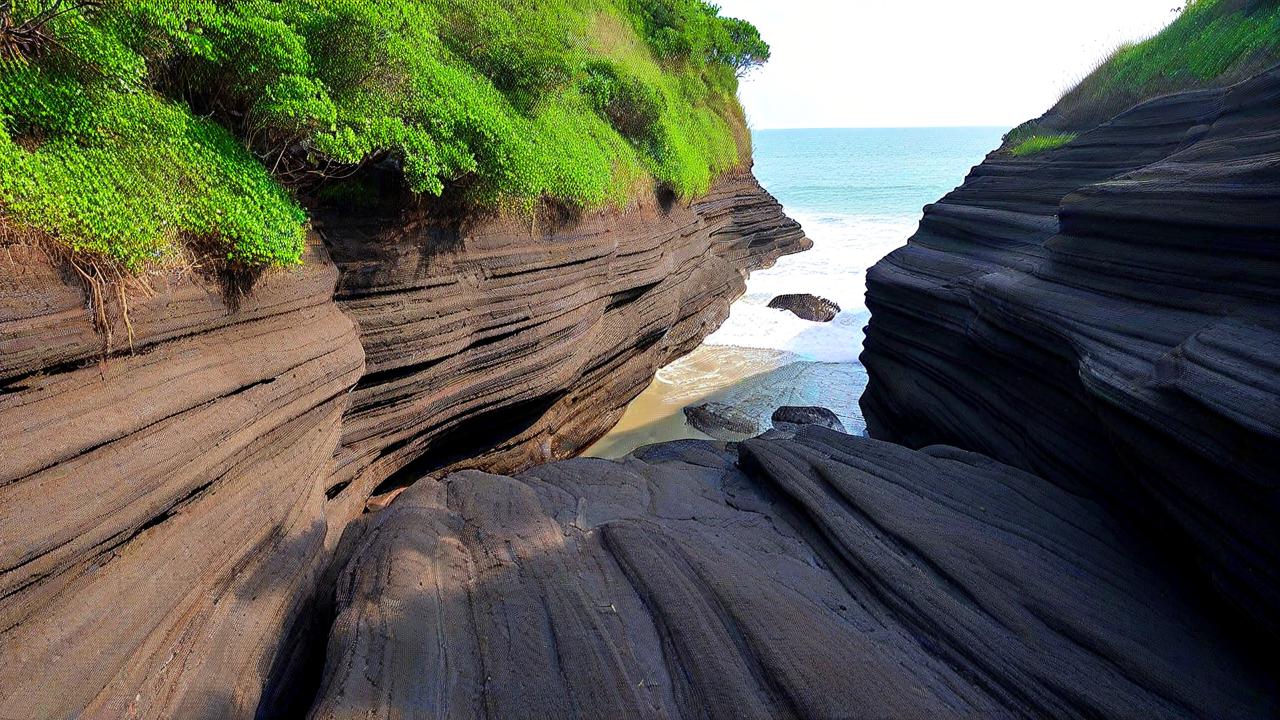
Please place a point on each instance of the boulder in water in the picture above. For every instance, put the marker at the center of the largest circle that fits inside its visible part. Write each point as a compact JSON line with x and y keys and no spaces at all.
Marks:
{"x":791,"y":418}
{"x":807,"y":307}
{"x":720,"y":421}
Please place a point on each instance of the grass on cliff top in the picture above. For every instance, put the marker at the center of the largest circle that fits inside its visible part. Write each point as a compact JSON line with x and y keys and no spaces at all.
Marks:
{"x":1210,"y":43}
{"x":130,"y":127}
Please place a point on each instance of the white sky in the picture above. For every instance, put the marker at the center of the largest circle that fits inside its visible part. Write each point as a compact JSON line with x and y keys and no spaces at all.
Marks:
{"x":921,"y":63}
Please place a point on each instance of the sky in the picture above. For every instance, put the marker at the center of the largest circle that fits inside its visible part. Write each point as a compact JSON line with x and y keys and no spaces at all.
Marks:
{"x":929,"y":63}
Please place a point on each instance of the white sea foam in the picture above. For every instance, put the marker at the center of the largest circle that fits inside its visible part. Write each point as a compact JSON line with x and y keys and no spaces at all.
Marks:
{"x":844,"y":246}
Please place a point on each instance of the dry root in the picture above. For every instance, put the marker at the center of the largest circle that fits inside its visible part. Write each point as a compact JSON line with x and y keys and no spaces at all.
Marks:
{"x":32,"y":37}
{"x":106,"y":285}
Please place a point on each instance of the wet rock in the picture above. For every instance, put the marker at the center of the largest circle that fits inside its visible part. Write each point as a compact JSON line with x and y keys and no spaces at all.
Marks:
{"x":791,"y":418}
{"x":807,"y":307}
{"x":724,"y":422}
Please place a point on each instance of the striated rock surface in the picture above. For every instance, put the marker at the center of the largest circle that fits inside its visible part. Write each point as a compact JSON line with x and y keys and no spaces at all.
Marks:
{"x":821,"y":577}
{"x":1107,"y":315}
{"x":502,"y":346}
{"x":166,"y":514}
{"x":807,"y":307}
{"x":163,"y":513}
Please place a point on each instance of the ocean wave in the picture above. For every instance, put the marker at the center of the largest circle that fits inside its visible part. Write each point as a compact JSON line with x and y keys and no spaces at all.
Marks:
{"x":845,"y":245}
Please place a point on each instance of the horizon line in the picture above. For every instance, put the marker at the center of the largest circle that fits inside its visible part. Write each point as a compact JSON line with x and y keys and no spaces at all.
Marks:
{"x":886,"y":127}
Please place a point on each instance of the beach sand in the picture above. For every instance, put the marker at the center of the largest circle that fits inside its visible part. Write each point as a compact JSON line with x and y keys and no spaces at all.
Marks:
{"x":755,"y":381}
{"x":657,"y":414}
{"x":858,"y":194}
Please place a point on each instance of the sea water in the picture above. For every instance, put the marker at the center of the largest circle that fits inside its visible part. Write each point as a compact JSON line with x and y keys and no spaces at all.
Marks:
{"x":859,"y":193}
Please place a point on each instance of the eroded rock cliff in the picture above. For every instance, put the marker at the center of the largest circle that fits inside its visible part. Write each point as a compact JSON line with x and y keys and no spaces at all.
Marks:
{"x":163,"y":511}
{"x":1103,"y":320}
{"x":1107,"y":316}
{"x":167,"y":512}
{"x":504,"y":345}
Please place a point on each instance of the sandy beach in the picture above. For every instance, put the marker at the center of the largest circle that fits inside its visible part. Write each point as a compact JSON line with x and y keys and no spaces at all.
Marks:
{"x":858,"y":194}
{"x":656,"y":415}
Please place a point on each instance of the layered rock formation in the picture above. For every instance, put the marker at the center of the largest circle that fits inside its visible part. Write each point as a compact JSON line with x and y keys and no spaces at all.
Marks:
{"x":1107,"y":315}
{"x":824,"y":576}
{"x":166,"y":513}
{"x":498,"y":347}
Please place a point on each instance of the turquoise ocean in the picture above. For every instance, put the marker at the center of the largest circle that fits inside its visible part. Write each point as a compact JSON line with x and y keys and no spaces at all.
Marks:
{"x":859,"y":193}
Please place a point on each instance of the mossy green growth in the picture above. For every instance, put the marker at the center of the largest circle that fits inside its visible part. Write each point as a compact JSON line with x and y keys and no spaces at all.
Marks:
{"x":1037,"y":143}
{"x":95,"y":158}
{"x":150,"y":122}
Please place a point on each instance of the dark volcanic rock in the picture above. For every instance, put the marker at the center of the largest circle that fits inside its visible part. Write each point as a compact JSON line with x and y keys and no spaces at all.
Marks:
{"x":791,"y":419}
{"x":822,"y":577}
{"x":807,"y":307}
{"x":720,"y":421}
{"x":1107,"y":315}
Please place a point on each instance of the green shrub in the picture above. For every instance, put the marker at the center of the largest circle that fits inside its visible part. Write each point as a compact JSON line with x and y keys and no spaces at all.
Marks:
{"x":633,"y":107}
{"x":141,"y":175}
{"x":693,"y":31}
{"x":741,"y":45}
{"x":150,"y":122}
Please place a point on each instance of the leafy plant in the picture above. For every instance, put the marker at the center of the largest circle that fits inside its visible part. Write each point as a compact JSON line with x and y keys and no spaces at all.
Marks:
{"x":631,"y":106}
{"x":27,"y":34}
{"x":137,"y":125}
{"x":742,"y":47}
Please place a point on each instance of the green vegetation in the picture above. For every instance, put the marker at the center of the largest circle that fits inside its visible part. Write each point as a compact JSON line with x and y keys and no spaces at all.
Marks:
{"x":1210,"y":43}
{"x":1209,"y":40}
{"x":130,"y":127}
{"x":1036,"y":143}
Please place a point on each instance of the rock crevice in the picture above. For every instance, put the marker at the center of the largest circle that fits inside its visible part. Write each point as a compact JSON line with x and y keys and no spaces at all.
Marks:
{"x":572,"y":321}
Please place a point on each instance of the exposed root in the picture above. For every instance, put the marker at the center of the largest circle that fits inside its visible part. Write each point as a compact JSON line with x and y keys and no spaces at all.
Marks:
{"x":107,"y":286}
{"x":110,"y":288}
{"x":31,"y":37}
{"x":97,"y":308}
{"x":204,"y":257}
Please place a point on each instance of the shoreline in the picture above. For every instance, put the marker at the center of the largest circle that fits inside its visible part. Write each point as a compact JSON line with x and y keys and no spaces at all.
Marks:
{"x":656,"y":415}
{"x":756,"y":380}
